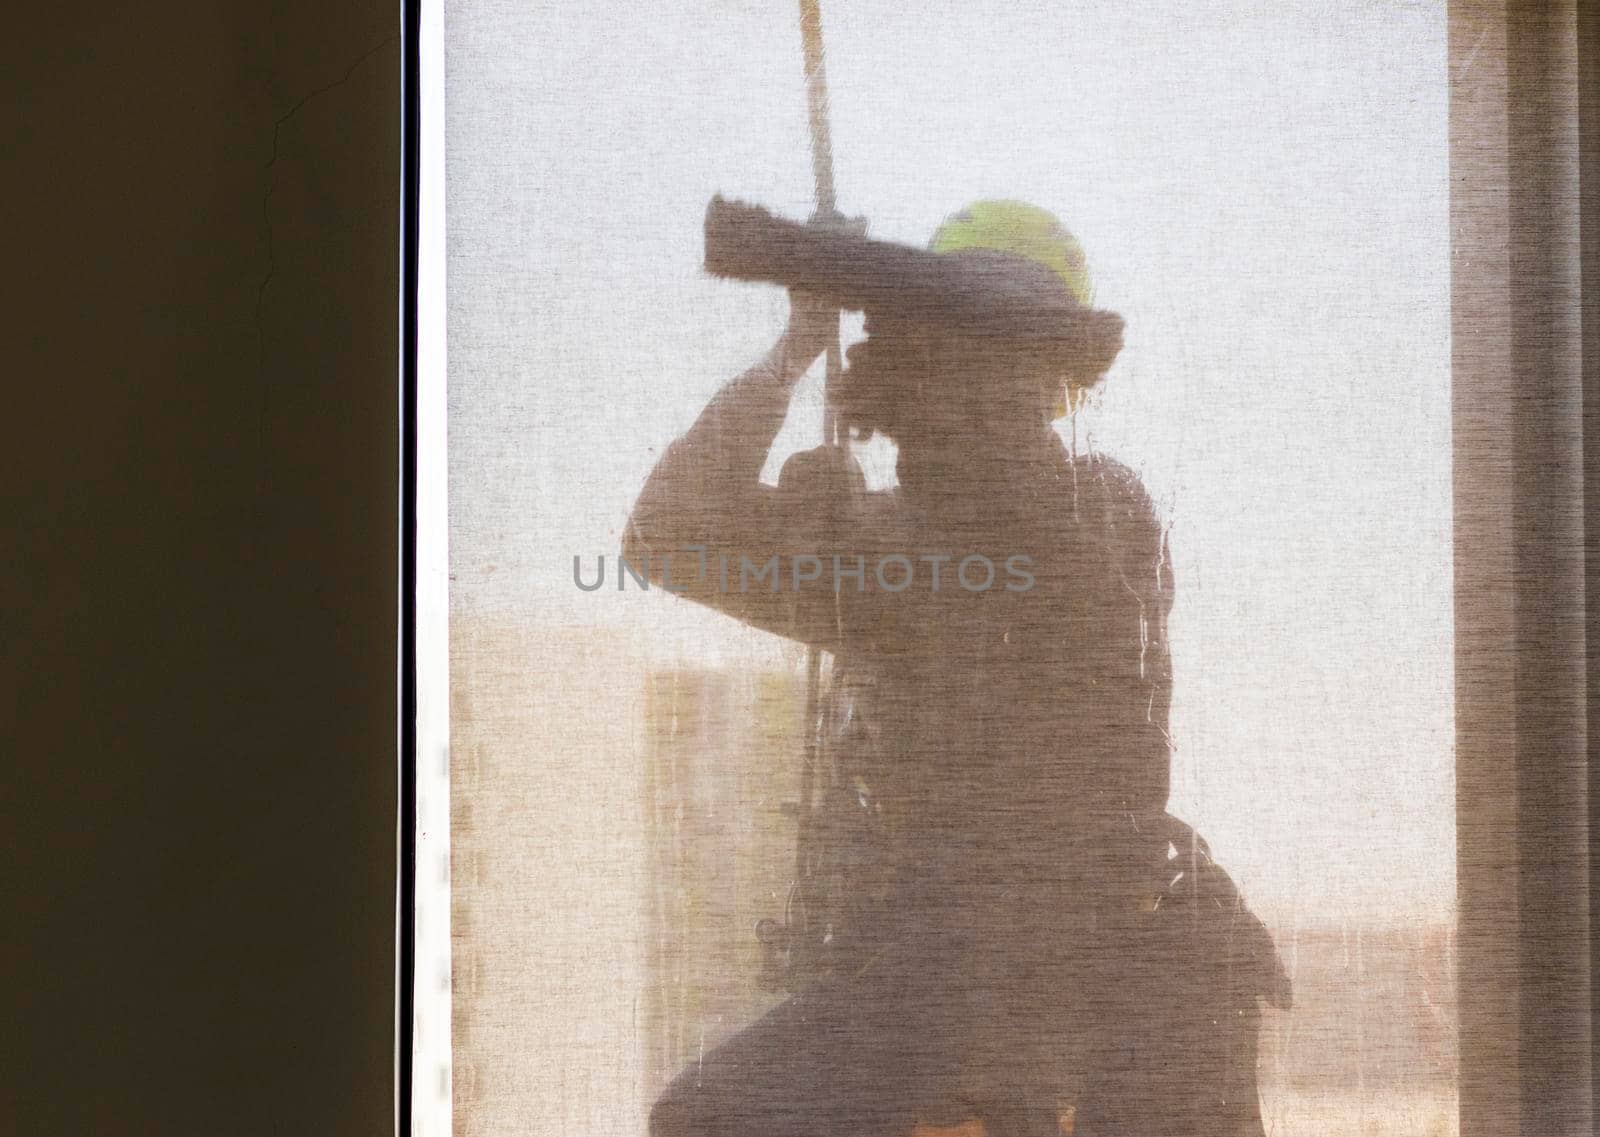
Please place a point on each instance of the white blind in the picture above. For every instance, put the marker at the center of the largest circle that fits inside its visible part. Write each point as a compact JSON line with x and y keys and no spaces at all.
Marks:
{"x":1263,"y":195}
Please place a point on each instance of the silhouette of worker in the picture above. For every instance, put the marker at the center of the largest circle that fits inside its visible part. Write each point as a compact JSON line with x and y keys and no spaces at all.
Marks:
{"x":1032,"y":942}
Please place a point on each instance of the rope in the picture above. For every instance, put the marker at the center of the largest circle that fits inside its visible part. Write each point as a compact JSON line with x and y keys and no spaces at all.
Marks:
{"x":817,"y":101}
{"x":822,"y":174}
{"x":827,"y":207}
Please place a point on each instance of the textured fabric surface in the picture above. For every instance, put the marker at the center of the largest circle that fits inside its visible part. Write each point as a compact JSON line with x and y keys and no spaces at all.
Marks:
{"x":973,"y":897}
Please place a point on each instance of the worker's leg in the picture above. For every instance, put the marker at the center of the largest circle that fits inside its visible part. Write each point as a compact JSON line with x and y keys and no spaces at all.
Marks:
{"x":1182,"y":1005}
{"x":855,"y":1058}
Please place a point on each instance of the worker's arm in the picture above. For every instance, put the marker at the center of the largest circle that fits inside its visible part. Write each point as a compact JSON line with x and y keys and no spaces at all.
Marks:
{"x":704,"y":505}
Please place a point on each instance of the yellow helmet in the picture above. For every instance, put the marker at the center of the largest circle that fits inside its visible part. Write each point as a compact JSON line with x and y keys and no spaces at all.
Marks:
{"x":1022,"y":230}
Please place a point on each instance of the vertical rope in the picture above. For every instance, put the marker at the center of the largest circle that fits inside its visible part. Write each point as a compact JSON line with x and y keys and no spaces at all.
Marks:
{"x":817,"y":102}
{"x":827,"y":206}
{"x":822,"y":174}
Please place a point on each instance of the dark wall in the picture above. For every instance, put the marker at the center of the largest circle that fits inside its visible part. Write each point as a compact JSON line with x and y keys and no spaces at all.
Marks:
{"x":198,"y":494}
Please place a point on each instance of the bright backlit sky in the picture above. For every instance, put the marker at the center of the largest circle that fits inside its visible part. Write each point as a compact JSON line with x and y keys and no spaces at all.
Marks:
{"x":1262,"y":192}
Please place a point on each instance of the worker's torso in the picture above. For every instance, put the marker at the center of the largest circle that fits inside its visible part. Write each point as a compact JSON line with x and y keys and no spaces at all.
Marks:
{"x":1019,"y":712}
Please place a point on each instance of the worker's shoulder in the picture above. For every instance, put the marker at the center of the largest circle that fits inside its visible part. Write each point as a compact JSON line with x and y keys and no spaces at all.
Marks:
{"x":1109,"y":477}
{"x":1103,"y":468}
{"x":1111,"y":489}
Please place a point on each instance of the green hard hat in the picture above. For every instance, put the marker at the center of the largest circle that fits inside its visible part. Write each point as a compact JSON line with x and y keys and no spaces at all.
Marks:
{"x":1022,"y":230}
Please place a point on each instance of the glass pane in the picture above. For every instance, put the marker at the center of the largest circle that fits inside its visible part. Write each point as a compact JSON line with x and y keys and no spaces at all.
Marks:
{"x":1260,"y":192}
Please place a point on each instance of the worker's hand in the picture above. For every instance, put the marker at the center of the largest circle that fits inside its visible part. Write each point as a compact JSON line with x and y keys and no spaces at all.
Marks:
{"x":813,"y":328}
{"x":813,"y":322}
